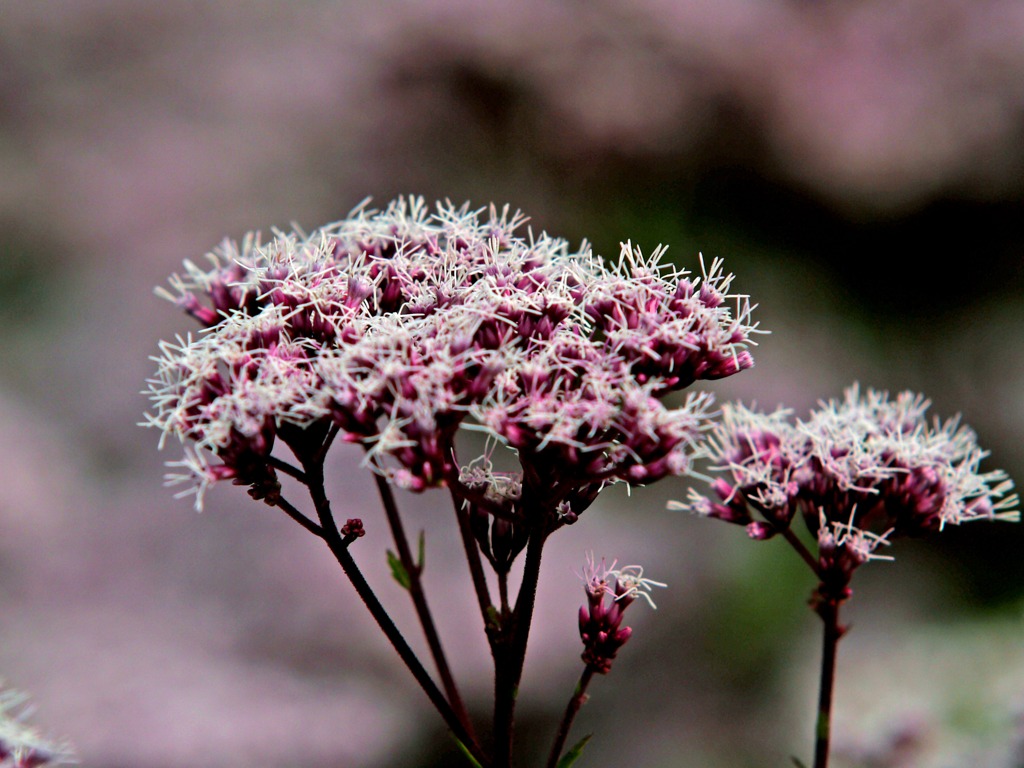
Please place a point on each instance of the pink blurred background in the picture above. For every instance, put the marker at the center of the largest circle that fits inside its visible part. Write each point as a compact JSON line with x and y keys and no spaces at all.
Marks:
{"x":860,"y":166}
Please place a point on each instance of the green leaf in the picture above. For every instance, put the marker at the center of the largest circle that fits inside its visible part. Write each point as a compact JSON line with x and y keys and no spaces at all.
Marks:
{"x":398,"y":571}
{"x":493,"y":620}
{"x":465,"y":751}
{"x":573,"y":754}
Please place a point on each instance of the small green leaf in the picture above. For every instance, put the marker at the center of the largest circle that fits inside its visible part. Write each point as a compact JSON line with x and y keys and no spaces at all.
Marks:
{"x":398,"y":570}
{"x":573,"y":754}
{"x":493,"y":620}
{"x":465,"y":751}
{"x":423,"y":551}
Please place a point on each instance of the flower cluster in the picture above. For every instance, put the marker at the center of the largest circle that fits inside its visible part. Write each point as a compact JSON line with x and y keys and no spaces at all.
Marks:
{"x":859,"y":472}
{"x":394,"y":329}
{"x":610,"y":592}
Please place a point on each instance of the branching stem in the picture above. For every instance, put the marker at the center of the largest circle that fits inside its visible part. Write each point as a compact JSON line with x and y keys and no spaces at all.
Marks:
{"x":288,"y":469}
{"x":339,"y":548}
{"x":476,"y":570}
{"x":298,"y":517}
{"x":510,"y":653}
{"x":414,"y":569}
{"x":805,"y":554}
{"x":577,"y":700}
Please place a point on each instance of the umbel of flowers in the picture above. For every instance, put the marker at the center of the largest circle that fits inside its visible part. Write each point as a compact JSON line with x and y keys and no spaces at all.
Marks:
{"x":396,"y":330}
{"x":853,"y":477}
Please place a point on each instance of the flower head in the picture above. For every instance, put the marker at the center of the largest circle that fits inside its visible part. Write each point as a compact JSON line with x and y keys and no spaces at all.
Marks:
{"x":609,"y":592}
{"x":859,"y":471}
{"x":398,"y":328}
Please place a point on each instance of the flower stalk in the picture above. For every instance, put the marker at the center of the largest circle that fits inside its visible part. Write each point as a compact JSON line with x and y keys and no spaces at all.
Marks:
{"x":576,"y":701}
{"x":610,"y":592}
{"x":398,"y":331}
{"x":412,"y":569}
{"x":859,"y":473}
{"x":830,"y":641}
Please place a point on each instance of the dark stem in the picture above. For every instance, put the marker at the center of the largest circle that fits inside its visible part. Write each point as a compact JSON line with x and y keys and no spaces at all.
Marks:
{"x":788,"y":535}
{"x":413,"y":569}
{"x":510,"y":651}
{"x":476,"y":570}
{"x":339,"y":548}
{"x":503,"y":590}
{"x":579,"y":696}
{"x":328,"y":441}
{"x":288,"y":469}
{"x":829,"y":612}
{"x":298,"y":517}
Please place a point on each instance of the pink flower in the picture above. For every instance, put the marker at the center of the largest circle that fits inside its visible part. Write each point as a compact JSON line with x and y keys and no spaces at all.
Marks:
{"x":859,"y":472}
{"x":609,"y":592}
{"x":399,"y":328}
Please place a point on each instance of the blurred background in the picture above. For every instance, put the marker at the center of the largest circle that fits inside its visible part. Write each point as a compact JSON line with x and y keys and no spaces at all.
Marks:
{"x":859,"y":165}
